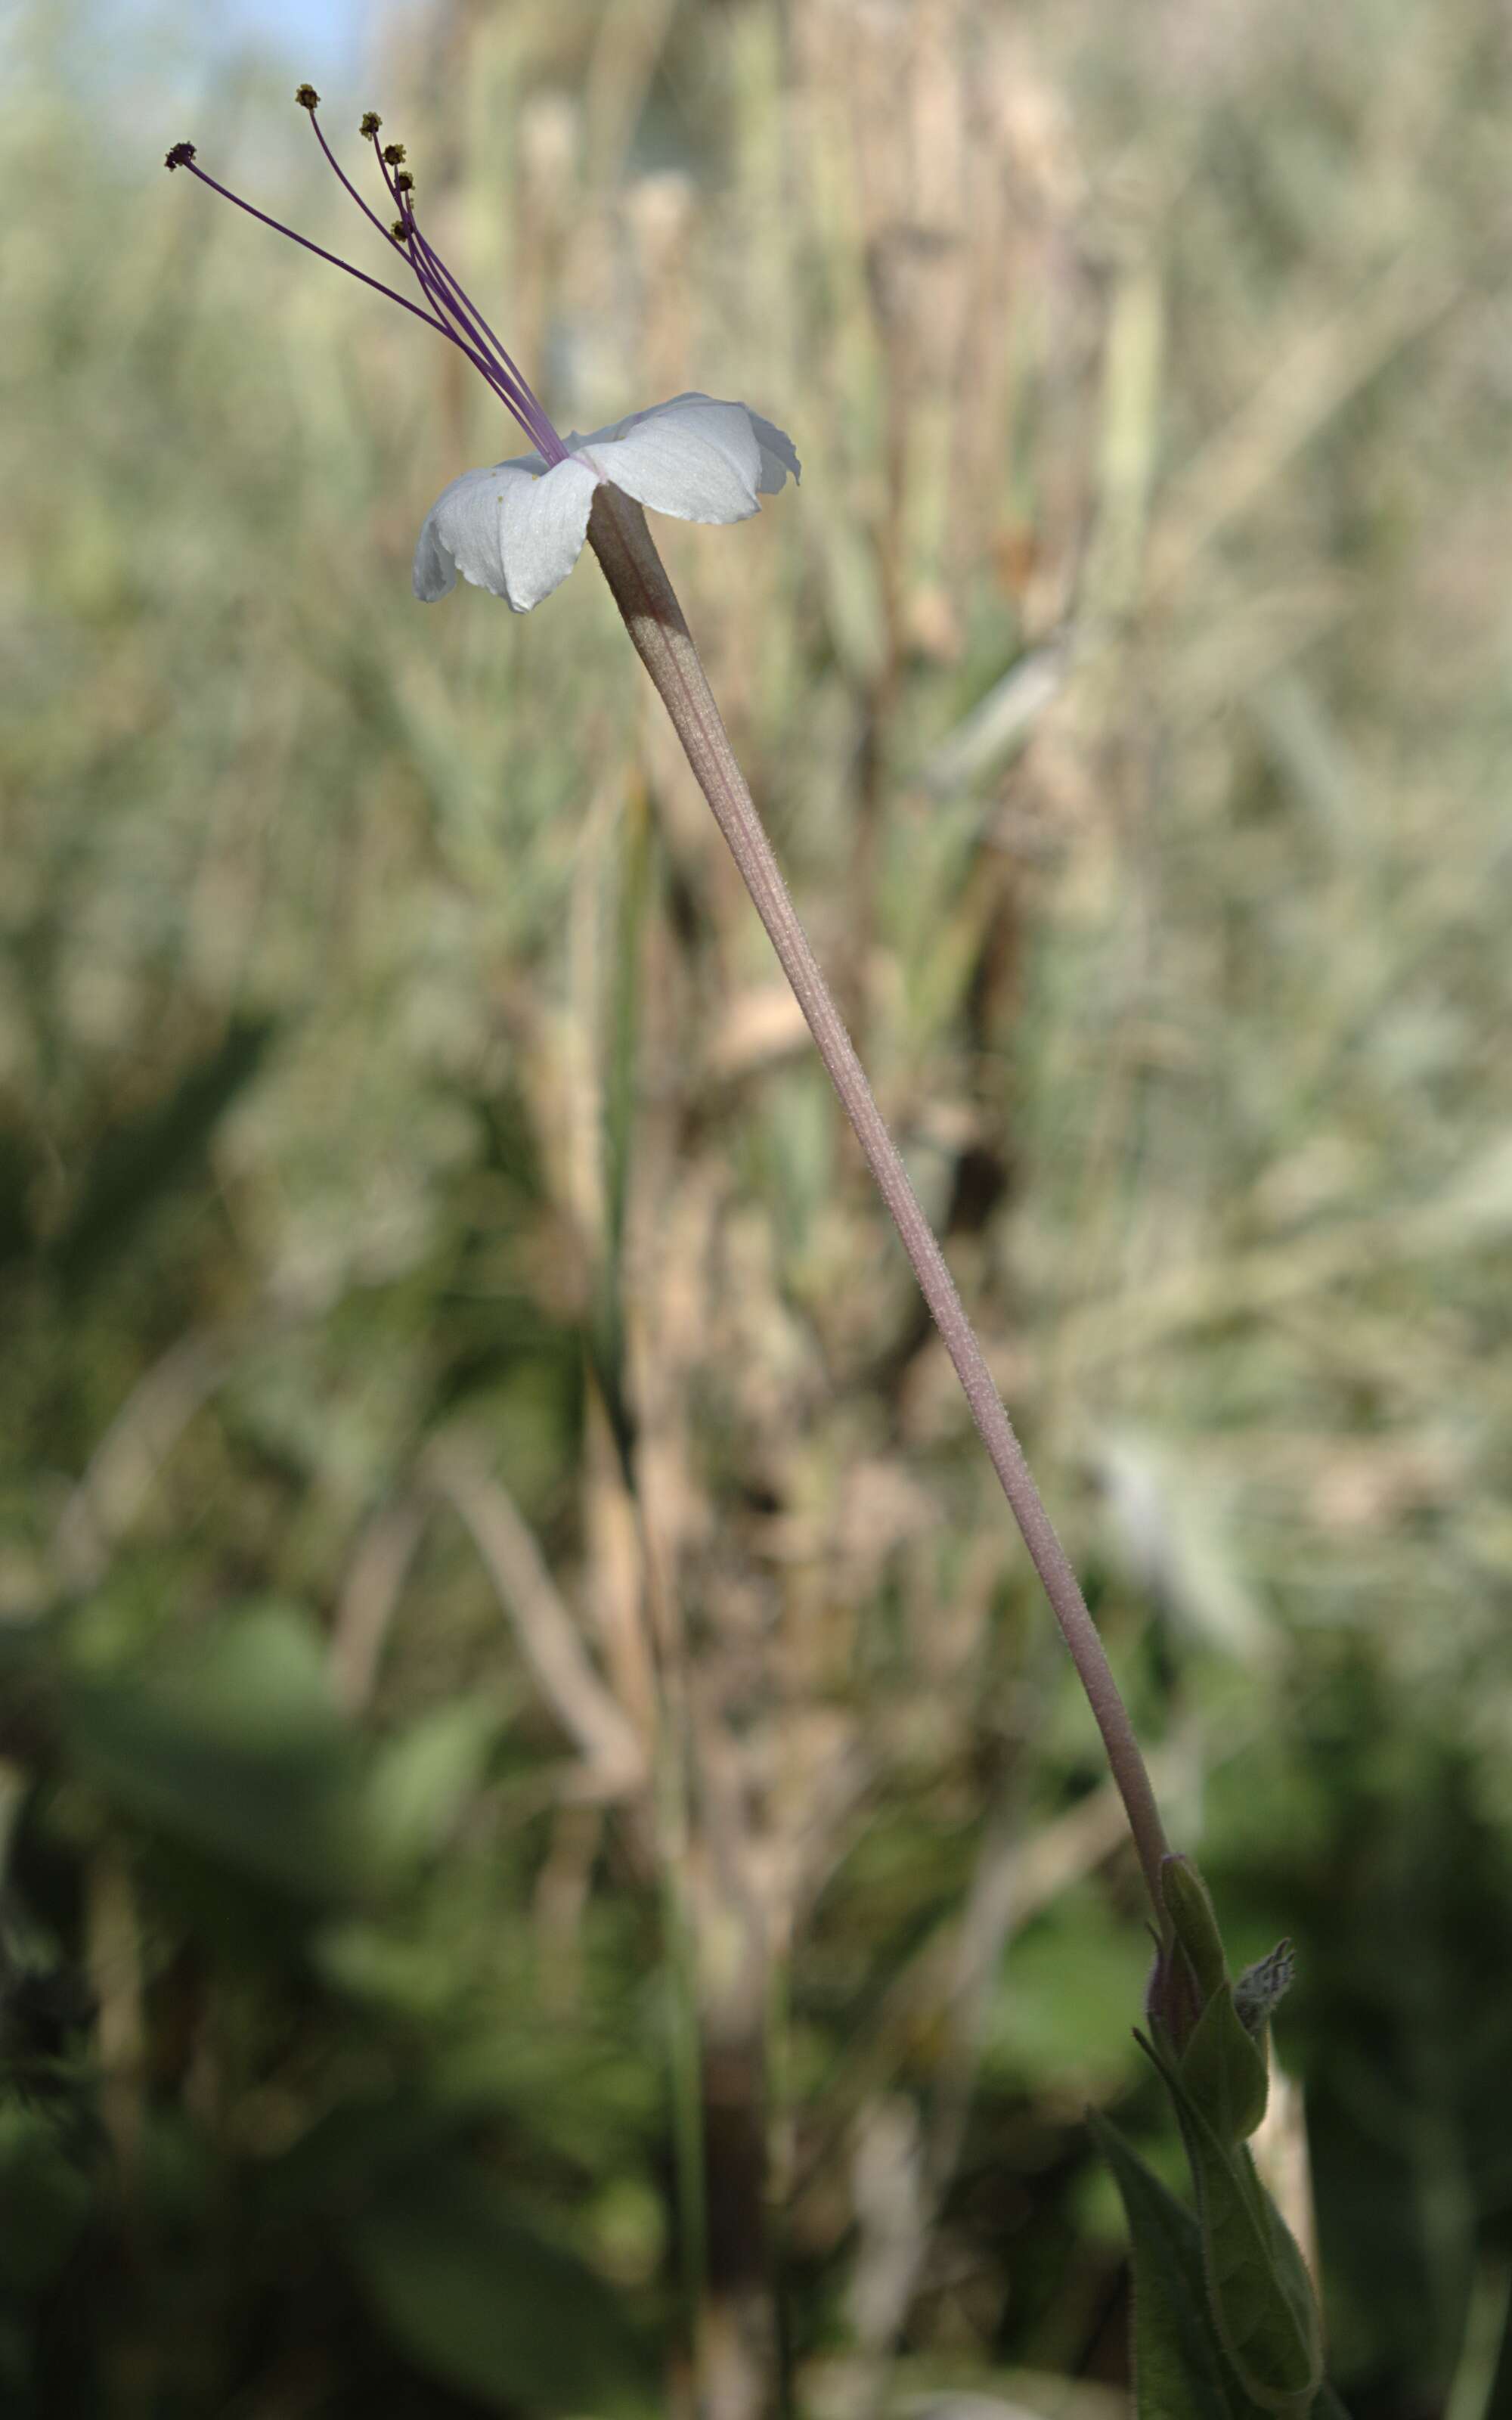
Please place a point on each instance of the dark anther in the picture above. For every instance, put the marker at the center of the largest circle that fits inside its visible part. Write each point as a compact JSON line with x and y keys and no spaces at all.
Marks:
{"x":405,"y":182}
{"x":308,"y":96}
{"x":180,"y":157}
{"x":394,"y":153}
{"x":370,"y":122}
{"x":399,"y":231}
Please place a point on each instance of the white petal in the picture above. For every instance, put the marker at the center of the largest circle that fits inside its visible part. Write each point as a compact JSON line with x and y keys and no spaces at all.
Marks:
{"x":696,"y":457}
{"x":436,"y":555}
{"x":516,"y":529}
{"x":779,"y":455}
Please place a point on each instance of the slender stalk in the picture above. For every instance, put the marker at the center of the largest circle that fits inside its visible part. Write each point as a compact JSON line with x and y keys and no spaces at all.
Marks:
{"x":618,"y":535}
{"x":685,"y":2062}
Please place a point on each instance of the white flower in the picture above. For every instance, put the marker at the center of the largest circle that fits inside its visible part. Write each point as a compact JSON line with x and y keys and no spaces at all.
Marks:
{"x":519,"y":528}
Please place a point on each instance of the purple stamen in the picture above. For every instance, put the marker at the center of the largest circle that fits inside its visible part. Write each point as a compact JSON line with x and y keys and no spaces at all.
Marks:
{"x":181,"y":156}
{"x":447,"y":296}
{"x":430,"y":280}
{"x":447,"y":293}
{"x":466,"y":312}
{"x":339,"y":172}
{"x":471,"y":333}
{"x":510,"y":390}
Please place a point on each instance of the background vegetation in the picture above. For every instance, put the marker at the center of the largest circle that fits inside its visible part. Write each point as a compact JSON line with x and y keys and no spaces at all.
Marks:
{"x":433,"y":1269}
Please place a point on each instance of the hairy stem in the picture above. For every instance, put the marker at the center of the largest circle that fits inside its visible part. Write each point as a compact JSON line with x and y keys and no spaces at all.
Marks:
{"x":618,"y":535}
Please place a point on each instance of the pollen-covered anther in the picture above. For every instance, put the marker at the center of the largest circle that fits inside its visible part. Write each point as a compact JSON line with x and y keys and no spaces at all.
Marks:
{"x":371,"y":121}
{"x":180,"y":157}
{"x":400,"y":231}
{"x":394,"y":153}
{"x":308,"y":96}
{"x":403,"y":182}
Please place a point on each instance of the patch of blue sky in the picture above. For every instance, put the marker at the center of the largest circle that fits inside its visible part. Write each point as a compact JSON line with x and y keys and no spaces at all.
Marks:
{"x":313,"y":38}
{"x":152,"y":54}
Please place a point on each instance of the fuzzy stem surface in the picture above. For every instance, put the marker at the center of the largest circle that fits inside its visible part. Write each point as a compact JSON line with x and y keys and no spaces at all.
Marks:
{"x":638,"y":581}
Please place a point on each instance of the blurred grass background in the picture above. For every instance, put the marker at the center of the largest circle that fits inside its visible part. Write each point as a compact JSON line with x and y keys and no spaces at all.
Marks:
{"x":430,"y":1260}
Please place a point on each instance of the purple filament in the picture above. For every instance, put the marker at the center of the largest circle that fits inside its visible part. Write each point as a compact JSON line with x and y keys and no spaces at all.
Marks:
{"x":452,"y":313}
{"x":448,"y":297}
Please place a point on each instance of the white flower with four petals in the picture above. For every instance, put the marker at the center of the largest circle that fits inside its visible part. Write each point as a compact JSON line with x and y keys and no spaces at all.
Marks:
{"x":516,"y":529}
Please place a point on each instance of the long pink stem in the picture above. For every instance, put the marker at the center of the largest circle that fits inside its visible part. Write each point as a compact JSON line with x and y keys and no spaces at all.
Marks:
{"x":618,"y":535}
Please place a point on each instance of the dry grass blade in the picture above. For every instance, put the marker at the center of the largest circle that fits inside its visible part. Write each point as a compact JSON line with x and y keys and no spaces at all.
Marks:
{"x":614,"y":1761}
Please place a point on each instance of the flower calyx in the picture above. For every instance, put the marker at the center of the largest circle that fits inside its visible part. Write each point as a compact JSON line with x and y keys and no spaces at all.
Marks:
{"x":1208,"y":2031}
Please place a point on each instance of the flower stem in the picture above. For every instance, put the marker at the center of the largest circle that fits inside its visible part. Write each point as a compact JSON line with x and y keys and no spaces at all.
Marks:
{"x":618,"y":535}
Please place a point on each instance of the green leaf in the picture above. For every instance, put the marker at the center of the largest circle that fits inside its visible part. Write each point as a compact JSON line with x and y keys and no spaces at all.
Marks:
{"x":1191,"y":1911}
{"x":477,"y":2299}
{"x":238,"y":1752}
{"x":1224,"y":2070}
{"x":342,"y":2160}
{"x":46,"y":2196}
{"x":146,"y":1156}
{"x":1179,"y":2371}
{"x":1063,"y":2000}
{"x":423,"y":1778}
{"x":1259,"y":2293}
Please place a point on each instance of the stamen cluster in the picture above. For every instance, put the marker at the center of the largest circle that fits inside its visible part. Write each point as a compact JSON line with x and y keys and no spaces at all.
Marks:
{"x":448,"y":308}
